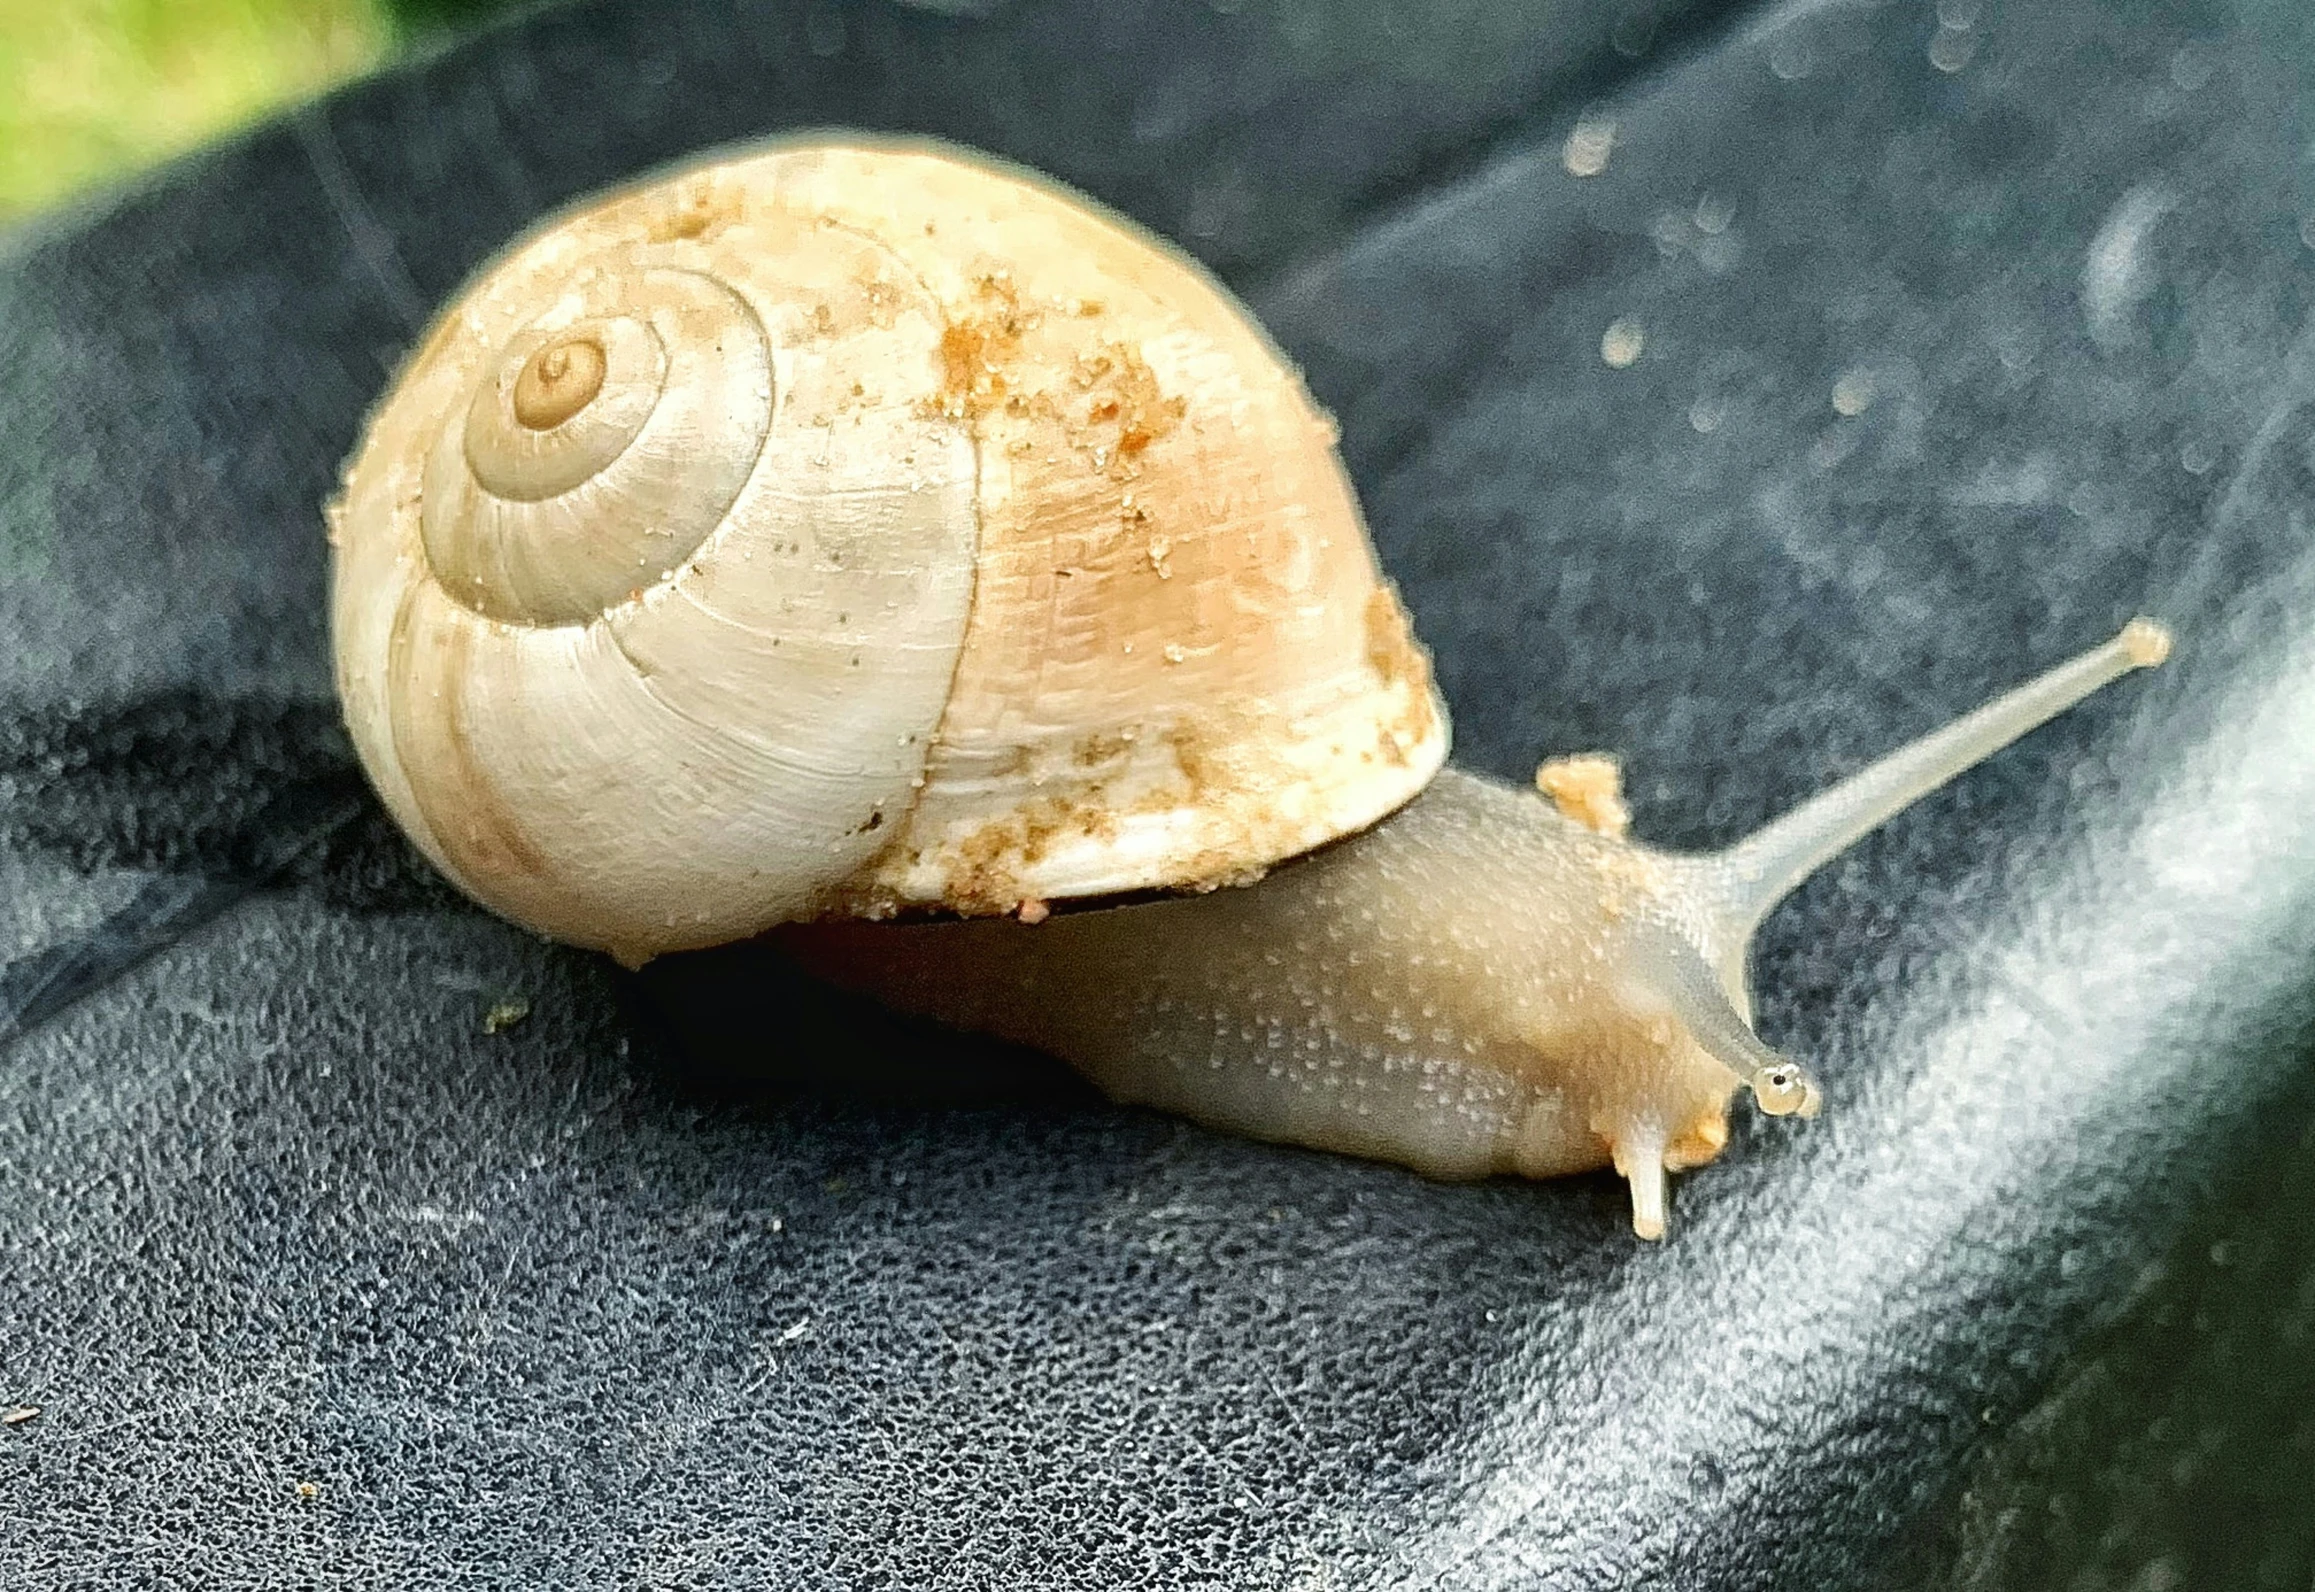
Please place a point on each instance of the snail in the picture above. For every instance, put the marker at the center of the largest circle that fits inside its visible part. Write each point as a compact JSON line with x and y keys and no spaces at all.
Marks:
{"x":847,"y":530}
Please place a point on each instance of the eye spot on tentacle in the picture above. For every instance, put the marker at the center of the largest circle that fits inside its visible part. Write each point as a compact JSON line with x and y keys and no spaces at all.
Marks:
{"x":1786,"y":1090}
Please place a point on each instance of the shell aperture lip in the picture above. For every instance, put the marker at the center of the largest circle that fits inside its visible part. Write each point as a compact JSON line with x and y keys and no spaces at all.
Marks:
{"x":555,"y":524}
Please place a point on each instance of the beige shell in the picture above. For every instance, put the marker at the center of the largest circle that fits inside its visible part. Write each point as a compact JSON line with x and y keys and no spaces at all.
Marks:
{"x":853,"y":526}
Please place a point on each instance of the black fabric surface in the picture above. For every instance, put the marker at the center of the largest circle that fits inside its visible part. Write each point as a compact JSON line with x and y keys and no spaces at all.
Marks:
{"x":1963,"y":334}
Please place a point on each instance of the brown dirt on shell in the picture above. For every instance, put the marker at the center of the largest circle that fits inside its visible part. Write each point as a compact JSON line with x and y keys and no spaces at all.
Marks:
{"x":1399,"y":660}
{"x":696,"y":212}
{"x":977,"y":350}
{"x":1204,"y":752}
{"x":1038,"y":379}
{"x":1099,"y":748}
{"x":1111,"y":409}
{"x":880,"y":299}
{"x":1390,"y":641}
{"x":869,"y":299}
{"x":1210,"y":751}
{"x":1201,"y":753}
{"x":985,"y":869}
{"x":1124,"y":408}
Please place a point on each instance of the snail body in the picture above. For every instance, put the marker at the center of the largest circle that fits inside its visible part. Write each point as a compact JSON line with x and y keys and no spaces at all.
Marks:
{"x":1338,"y":1005}
{"x":1492,"y":980}
{"x":852,"y":530}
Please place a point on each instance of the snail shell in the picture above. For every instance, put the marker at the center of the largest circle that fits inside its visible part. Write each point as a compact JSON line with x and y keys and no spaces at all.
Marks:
{"x":855,"y":526}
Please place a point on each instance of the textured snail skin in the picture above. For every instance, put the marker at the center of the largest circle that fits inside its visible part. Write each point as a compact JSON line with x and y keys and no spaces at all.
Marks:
{"x":1355,"y":1001}
{"x":852,"y":526}
{"x":1487,"y":981}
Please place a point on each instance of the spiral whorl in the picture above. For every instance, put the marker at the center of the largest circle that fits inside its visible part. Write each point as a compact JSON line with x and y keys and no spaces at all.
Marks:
{"x":600,"y":448}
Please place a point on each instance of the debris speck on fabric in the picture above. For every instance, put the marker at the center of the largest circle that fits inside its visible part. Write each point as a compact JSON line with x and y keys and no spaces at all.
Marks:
{"x":1589,"y":143}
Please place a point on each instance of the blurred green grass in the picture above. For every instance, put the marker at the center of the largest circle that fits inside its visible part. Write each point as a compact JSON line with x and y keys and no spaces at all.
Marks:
{"x":91,"y":90}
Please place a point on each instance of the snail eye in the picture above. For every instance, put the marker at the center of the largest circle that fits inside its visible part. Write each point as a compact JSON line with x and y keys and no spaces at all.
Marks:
{"x":1785,"y":1089}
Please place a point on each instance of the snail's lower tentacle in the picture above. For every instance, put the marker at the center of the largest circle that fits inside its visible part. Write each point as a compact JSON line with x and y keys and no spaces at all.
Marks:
{"x":1639,"y":1159}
